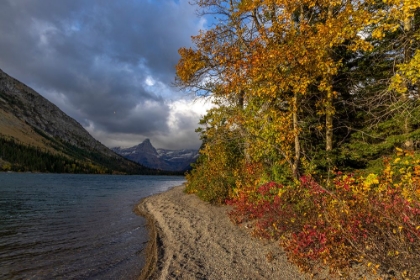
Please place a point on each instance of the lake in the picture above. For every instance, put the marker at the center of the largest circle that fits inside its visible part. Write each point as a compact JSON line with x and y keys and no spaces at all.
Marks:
{"x":71,"y":226}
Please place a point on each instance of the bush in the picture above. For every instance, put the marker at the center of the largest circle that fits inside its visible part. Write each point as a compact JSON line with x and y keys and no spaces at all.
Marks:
{"x":373,"y":219}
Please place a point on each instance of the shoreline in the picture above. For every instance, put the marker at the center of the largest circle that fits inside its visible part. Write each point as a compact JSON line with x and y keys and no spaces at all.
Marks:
{"x":151,"y":250}
{"x":192,"y":239}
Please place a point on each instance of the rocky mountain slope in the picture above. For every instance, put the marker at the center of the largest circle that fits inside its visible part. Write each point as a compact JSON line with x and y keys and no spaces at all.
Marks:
{"x":163,"y":159}
{"x":29,"y":120}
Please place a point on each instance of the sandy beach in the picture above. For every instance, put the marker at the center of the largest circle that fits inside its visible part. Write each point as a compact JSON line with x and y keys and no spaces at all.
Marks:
{"x":192,"y":239}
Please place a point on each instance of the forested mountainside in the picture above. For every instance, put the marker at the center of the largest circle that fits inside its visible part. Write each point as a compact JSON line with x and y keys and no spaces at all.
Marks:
{"x":35,"y":135}
{"x":163,"y":159}
{"x":314,"y":135}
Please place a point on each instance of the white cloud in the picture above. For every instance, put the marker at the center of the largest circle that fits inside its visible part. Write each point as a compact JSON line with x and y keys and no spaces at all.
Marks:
{"x":150,"y":81}
{"x":183,"y":108}
{"x":182,"y":120}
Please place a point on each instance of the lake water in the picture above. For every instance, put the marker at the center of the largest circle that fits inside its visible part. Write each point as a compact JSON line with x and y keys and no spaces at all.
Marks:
{"x":66,"y":226}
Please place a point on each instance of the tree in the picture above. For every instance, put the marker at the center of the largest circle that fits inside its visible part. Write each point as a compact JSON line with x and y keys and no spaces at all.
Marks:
{"x":294,"y":73}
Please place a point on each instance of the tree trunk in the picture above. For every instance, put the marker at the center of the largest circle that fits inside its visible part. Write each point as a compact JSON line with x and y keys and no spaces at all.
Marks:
{"x":408,"y":144}
{"x":296,"y":161}
{"x":329,"y":125}
{"x":329,"y":111}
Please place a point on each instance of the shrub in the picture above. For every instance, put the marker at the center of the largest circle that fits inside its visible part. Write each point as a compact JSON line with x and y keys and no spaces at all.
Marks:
{"x":373,"y":219}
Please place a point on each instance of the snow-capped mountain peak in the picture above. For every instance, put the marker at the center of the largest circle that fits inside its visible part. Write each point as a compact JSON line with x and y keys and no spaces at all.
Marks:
{"x":164,"y":159}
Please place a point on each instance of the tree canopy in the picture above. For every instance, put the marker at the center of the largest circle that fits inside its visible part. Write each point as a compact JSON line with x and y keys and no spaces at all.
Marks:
{"x":303,"y":89}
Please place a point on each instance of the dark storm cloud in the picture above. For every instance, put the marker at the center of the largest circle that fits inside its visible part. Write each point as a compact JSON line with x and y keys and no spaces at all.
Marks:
{"x":93,"y":58}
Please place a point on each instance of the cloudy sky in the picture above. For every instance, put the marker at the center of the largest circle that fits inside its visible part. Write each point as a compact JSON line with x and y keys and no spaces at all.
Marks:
{"x":109,"y":64}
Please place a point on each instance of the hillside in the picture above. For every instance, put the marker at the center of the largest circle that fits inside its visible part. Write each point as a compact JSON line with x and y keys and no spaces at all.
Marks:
{"x":37,"y":136}
{"x":163,"y":159}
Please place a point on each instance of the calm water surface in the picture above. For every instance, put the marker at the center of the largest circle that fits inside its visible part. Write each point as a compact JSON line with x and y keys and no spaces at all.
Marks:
{"x":62,"y":226}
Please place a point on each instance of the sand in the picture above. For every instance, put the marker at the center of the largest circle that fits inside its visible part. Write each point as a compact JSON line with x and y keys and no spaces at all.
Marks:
{"x":192,"y":239}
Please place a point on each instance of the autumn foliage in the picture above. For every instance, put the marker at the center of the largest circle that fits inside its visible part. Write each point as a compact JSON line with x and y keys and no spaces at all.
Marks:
{"x":375,"y":219}
{"x":315,"y":129}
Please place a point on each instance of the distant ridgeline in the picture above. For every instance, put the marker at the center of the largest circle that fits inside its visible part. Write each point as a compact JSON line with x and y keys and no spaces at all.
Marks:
{"x":36,"y":136}
{"x":162,"y":159}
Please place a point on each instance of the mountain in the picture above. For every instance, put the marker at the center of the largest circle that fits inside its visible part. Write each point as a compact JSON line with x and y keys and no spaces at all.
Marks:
{"x":163,"y":159}
{"x":35,"y":135}
{"x":144,"y":153}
